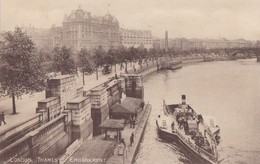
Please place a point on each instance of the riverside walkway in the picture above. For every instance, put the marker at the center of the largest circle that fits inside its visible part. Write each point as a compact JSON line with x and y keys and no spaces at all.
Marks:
{"x":130,"y":151}
{"x":26,"y":104}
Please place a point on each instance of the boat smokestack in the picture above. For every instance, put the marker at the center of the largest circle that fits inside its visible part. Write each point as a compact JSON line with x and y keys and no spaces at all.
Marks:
{"x":183,"y":97}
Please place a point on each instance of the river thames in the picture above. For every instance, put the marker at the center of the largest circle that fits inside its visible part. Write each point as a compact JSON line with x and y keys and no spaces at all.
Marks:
{"x":227,"y":90}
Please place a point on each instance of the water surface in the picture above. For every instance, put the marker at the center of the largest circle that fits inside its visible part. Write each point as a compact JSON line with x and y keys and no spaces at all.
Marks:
{"x":227,"y":90}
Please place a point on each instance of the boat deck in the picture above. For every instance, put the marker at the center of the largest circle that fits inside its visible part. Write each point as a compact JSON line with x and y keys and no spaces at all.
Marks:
{"x":165,"y":122}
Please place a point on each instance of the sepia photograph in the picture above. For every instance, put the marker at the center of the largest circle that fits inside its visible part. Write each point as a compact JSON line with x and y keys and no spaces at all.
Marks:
{"x":129,"y":82}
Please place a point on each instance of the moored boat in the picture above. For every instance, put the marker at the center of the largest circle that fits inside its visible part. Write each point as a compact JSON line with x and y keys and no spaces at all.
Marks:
{"x":198,"y":135}
{"x":171,"y":65}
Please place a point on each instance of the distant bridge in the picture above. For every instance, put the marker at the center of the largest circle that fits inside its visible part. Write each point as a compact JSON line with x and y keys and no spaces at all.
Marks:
{"x":247,"y":52}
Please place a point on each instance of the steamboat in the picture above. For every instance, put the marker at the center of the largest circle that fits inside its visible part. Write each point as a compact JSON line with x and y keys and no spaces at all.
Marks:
{"x":196,"y":134}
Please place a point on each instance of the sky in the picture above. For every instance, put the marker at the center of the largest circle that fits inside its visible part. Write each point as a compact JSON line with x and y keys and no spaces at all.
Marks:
{"x":213,"y":19}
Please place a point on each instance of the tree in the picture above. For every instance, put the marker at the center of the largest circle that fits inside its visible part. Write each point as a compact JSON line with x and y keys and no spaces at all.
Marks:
{"x":123,"y":56}
{"x":85,"y":62}
{"x":112,"y":57}
{"x":99,"y":58}
{"x":46,"y":59}
{"x":20,"y":69}
{"x":63,"y":61}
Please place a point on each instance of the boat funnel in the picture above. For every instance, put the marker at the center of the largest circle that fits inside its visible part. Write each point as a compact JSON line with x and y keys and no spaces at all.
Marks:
{"x":183,"y":97}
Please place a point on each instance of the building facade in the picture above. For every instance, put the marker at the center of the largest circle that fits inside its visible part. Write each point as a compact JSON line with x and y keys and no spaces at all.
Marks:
{"x":40,"y":36}
{"x":81,"y":29}
{"x":225,"y":43}
{"x":56,"y":36}
{"x":136,"y":38}
{"x":187,"y":44}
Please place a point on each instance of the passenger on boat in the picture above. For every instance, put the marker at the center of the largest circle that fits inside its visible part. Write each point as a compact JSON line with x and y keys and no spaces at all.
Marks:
{"x":198,"y":122}
{"x":172,"y":125}
{"x":193,"y":134}
{"x":217,"y":138}
{"x":212,"y":150}
{"x":181,"y":122}
{"x":186,"y":127}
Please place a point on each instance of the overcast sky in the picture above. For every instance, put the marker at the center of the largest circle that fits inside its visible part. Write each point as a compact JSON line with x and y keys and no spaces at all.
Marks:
{"x":232,"y":19}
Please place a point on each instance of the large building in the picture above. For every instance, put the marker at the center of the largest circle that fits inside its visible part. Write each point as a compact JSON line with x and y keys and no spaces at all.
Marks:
{"x":40,"y":36}
{"x":56,"y":36}
{"x":81,"y":29}
{"x":136,"y":38}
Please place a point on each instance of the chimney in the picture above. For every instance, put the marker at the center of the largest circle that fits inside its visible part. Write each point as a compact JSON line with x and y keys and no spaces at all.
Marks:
{"x":183,"y":97}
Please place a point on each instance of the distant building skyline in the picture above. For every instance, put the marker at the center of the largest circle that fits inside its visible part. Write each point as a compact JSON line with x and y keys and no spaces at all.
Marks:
{"x":232,"y":19}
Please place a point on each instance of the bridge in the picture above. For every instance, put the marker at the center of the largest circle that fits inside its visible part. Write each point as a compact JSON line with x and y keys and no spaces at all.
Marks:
{"x":245,"y":52}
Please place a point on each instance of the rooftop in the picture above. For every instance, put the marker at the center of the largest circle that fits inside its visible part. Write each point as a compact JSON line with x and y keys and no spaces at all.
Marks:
{"x":77,"y":99}
{"x":113,"y":124}
{"x":81,"y":15}
{"x":47,"y":99}
{"x":129,"y":105}
{"x":61,"y":77}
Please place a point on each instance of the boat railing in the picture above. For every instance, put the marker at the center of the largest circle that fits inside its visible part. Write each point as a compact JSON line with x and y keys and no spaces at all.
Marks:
{"x":197,"y":148}
{"x":208,"y":131}
{"x":211,"y":137}
{"x":212,"y":157}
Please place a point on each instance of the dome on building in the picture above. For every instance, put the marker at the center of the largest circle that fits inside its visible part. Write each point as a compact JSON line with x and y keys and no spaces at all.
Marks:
{"x":107,"y":17}
{"x":110,"y":18}
{"x":79,"y":13}
{"x":114,"y":20}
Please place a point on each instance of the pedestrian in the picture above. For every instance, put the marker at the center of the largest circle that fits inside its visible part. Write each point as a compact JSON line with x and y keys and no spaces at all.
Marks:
{"x":132,"y":135}
{"x":131,"y":139}
{"x":133,"y":123}
{"x":123,"y":142}
{"x":2,"y":118}
{"x":116,"y":76}
{"x":142,"y":105}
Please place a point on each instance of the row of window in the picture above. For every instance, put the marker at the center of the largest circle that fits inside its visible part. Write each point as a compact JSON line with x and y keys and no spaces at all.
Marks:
{"x":133,"y":34}
{"x":148,"y":39}
{"x":74,"y":34}
{"x":137,"y":43}
{"x":136,"y":36}
{"x":89,"y":27}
